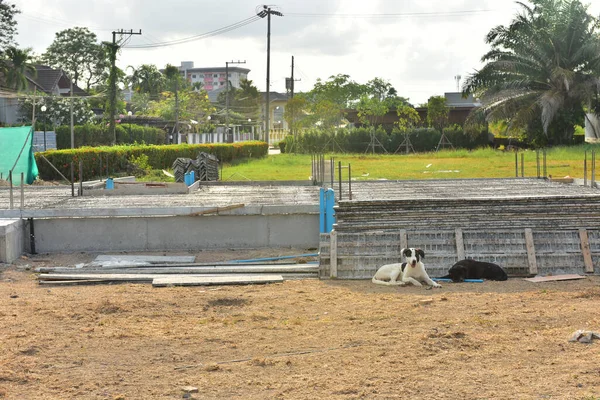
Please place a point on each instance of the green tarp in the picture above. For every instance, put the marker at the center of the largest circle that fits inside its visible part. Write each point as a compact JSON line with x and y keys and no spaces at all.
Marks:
{"x":11,"y":143}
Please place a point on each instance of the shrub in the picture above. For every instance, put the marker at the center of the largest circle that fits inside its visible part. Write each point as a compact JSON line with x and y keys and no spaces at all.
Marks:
{"x":99,"y":135}
{"x":117,"y":158}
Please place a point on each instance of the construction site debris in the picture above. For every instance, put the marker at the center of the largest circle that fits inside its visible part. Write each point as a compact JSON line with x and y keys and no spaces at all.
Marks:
{"x":551,"y":278}
{"x":583,"y":336}
{"x":205,"y":167}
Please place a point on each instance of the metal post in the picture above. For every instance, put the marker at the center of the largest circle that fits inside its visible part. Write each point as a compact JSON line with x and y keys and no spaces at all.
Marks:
{"x":22,"y":191}
{"x":593,"y":181}
{"x":332,"y":170}
{"x":11,"y":188}
{"x":516,"y":165}
{"x":585,"y":169}
{"x":349,"y":182}
{"x":545,"y":171}
{"x":72,"y":181}
{"x":80,"y":178}
{"x":340,"y":175}
{"x":31,"y":237}
{"x":522,"y":165}
{"x":537,"y":162}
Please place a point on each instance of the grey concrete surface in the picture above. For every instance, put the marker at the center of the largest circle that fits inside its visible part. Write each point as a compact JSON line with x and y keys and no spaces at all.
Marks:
{"x":12,"y":239}
{"x":176,"y":233}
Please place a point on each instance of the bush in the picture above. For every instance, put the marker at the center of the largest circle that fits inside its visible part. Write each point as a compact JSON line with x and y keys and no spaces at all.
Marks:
{"x":99,"y":135}
{"x":117,"y":158}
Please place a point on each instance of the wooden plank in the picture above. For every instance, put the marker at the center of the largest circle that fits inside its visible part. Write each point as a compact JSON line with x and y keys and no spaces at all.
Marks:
{"x":530,"y":251}
{"x":585,"y":250}
{"x":75,"y":283}
{"x":216,"y":280}
{"x":552,"y":278}
{"x":300,"y":269}
{"x":403,"y":239}
{"x":145,"y":258}
{"x":460,"y":246}
{"x":107,"y":277}
{"x":333,"y":259}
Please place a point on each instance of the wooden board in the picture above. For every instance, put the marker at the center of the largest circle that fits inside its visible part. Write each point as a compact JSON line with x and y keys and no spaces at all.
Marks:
{"x":301,"y":269}
{"x":533,"y":269}
{"x":216,"y":280}
{"x":460,"y":245}
{"x":553,"y":278}
{"x":143,"y":258}
{"x":585,"y":251}
{"x":104,"y":277}
{"x":333,"y":254}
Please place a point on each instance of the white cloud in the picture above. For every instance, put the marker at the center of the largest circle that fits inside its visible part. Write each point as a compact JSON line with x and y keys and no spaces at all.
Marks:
{"x":418,"y":54}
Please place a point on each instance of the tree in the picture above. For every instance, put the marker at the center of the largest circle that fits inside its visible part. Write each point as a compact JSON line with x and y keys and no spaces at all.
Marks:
{"x":8,"y":24}
{"x":15,"y":67}
{"x":541,"y":70}
{"x":437,"y":112}
{"x":77,"y":52}
{"x":380,"y":89}
{"x":58,"y":110}
{"x":147,"y":79}
{"x":408,"y":117}
{"x":295,"y":113}
{"x":328,"y":99}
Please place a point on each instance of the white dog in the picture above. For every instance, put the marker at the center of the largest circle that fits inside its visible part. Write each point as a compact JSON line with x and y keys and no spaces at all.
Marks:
{"x":412,"y":271}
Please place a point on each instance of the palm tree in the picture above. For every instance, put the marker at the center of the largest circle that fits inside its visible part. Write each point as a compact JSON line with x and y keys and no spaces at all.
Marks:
{"x":147,"y":79}
{"x":15,"y":67}
{"x":542,"y":69}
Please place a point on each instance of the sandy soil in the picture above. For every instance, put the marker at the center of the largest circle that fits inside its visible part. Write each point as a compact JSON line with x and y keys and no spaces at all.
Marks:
{"x":297,"y":340}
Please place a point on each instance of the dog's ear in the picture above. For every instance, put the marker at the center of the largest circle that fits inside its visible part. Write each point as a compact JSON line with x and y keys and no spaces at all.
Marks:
{"x":421,"y":253}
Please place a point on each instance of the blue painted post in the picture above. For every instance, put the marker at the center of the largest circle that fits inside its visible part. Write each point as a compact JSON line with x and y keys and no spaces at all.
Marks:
{"x":322,"y":210}
{"x":192,"y":177}
{"x":110,"y":184}
{"x":329,"y":212}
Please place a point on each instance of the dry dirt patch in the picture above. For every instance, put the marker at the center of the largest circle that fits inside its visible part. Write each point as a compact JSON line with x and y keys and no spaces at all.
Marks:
{"x":298,"y":340}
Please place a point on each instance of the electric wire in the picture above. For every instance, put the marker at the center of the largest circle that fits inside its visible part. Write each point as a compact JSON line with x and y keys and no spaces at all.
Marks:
{"x":205,"y":35}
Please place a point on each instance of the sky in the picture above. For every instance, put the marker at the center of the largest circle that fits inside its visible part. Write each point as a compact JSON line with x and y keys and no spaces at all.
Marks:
{"x":419,"y":46}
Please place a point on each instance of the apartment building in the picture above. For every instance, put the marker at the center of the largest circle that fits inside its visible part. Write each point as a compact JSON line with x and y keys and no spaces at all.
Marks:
{"x":213,"y":78}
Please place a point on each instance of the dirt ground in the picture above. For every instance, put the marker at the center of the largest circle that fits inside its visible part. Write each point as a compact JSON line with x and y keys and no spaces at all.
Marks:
{"x":297,"y":340}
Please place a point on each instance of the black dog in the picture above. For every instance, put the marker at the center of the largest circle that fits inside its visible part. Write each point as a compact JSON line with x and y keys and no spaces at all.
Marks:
{"x":472,"y":269}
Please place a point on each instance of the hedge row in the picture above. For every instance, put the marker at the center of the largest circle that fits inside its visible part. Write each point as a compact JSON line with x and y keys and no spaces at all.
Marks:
{"x":100,"y":135}
{"x":103,"y":161}
{"x":359,"y":140}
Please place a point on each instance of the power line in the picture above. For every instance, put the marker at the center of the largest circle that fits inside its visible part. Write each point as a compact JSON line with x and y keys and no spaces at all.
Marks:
{"x":393,"y":15}
{"x":215,"y":32}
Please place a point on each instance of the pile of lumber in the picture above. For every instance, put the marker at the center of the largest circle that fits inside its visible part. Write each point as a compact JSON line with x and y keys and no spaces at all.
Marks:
{"x":205,"y":167}
{"x":173,"y":271}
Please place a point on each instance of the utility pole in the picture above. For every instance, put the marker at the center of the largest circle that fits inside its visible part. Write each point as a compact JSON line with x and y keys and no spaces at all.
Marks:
{"x":112,"y":80}
{"x":266,"y":12}
{"x":290,"y":86}
{"x":227,"y":96}
{"x":72,"y":121}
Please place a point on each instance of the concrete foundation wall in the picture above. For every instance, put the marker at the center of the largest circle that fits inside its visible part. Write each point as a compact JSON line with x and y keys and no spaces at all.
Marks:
{"x":176,"y":233}
{"x":12,"y":240}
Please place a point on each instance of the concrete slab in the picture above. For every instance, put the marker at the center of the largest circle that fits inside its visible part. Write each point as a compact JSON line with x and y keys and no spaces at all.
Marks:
{"x":12,"y":239}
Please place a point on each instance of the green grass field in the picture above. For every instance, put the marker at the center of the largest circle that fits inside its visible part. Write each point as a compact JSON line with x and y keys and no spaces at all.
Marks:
{"x":482,"y":163}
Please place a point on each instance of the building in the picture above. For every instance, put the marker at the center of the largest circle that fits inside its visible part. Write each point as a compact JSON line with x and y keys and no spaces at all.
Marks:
{"x":212,"y":78}
{"x":53,"y":82}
